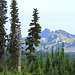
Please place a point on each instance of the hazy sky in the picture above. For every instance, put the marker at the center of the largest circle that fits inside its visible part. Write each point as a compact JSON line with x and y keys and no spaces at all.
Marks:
{"x":54,"y":14}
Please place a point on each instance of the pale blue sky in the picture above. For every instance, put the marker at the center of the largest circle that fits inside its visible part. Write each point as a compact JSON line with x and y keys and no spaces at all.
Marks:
{"x":54,"y":14}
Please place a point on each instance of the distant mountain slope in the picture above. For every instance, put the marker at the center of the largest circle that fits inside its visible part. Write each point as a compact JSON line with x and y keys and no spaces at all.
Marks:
{"x":46,"y":33}
{"x":56,"y":38}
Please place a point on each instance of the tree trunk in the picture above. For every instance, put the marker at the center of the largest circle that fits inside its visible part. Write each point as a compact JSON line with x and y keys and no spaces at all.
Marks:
{"x":3,"y":62}
{"x":19,"y":51}
{"x":19,"y":61}
{"x":29,"y":65}
{"x":19,"y":57}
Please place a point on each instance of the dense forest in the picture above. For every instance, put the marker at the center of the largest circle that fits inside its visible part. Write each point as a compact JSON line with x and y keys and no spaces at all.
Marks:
{"x":15,"y":61}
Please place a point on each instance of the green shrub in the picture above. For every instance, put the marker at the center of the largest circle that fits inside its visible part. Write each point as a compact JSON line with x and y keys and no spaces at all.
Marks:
{"x":1,"y":68}
{"x":37,"y":72}
{"x":6,"y":70}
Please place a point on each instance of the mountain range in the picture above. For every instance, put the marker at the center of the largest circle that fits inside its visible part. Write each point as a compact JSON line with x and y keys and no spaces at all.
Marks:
{"x":55,"y":38}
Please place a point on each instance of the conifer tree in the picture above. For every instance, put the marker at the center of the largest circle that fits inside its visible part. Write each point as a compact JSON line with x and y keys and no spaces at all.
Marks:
{"x":3,"y":11}
{"x":13,"y":45}
{"x":62,"y":61}
{"x":67,"y":65}
{"x":47,"y":63}
{"x":33,"y":37}
{"x":73,"y":66}
{"x":66,"y":72}
{"x":51,"y":70}
{"x":56,"y":70}
{"x":6,"y":70}
{"x":62,"y":67}
{"x":0,"y":67}
{"x":56,"y":57}
{"x":52,"y":55}
{"x":36,"y":65}
{"x":32,"y":67}
{"x":62,"y":52}
{"x":57,"y":52}
{"x":41,"y":61}
{"x":58,"y":60}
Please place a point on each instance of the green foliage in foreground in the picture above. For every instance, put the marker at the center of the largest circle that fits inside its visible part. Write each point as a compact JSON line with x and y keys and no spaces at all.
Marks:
{"x":11,"y":73}
{"x":55,"y":64}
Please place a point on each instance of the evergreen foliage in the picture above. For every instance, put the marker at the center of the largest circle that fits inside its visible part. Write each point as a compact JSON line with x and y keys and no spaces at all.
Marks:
{"x":56,"y":57}
{"x":33,"y":40}
{"x":66,"y":72}
{"x":56,"y":70}
{"x":6,"y":70}
{"x":24,"y":72}
{"x":41,"y":61}
{"x":73,"y":66}
{"x":52,"y":54}
{"x":47,"y":63}
{"x":3,"y":18}
{"x":15,"y":71}
{"x":13,"y":40}
{"x":0,"y":67}
{"x":67,"y":65}
{"x":62,"y":52}
{"x":62,"y":61}
{"x":32,"y":67}
{"x":36,"y":65}
{"x":51,"y":70}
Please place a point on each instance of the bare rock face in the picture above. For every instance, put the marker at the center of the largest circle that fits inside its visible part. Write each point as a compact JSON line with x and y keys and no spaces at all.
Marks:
{"x":56,"y":38}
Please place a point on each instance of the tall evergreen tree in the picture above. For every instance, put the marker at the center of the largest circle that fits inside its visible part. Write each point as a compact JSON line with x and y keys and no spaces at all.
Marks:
{"x":56,"y":70}
{"x":66,"y":72}
{"x":47,"y":63}
{"x":67,"y":65}
{"x":62,"y":61}
{"x":33,"y":40}
{"x":52,"y":54}
{"x":13,"y":45}
{"x":36,"y":65}
{"x":62,"y":52}
{"x":3,"y":11}
{"x":57,"y":52}
{"x":6,"y":70}
{"x":51,"y":70}
{"x":32,"y":67}
{"x":73,"y":66}
{"x":41,"y":61}
{"x":62,"y":67}
{"x":56,"y":57}
{"x":52,"y":57}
